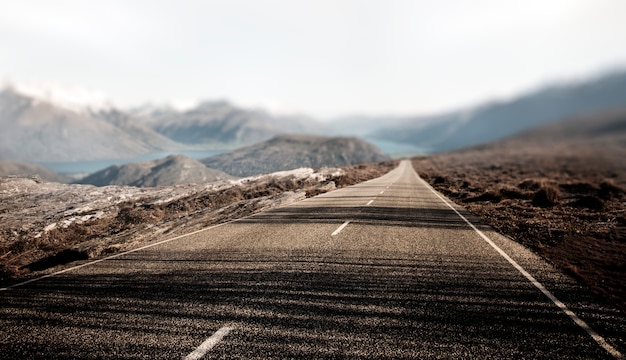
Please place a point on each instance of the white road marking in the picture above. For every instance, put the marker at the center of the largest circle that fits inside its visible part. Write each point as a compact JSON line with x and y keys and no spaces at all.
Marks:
{"x":597,"y":337}
{"x":382,"y":192}
{"x":340,"y":228}
{"x":369,"y":203}
{"x":209,"y":343}
{"x":114,"y":256}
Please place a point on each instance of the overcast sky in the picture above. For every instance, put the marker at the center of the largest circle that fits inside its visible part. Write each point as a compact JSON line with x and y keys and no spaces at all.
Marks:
{"x":322,"y":58}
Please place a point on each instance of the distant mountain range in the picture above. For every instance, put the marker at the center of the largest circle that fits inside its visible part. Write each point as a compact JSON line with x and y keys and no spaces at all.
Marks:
{"x":45,"y":128}
{"x":172,"y":170}
{"x":286,"y":152}
{"x":219,"y":122}
{"x":496,"y":120}
{"x":42,"y":128}
{"x":606,"y":130}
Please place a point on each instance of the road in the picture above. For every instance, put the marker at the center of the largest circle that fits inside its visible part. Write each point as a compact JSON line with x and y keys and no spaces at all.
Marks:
{"x":386,"y":269}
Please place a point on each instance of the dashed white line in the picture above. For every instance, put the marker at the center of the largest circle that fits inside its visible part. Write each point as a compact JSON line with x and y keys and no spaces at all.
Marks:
{"x":597,"y":337}
{"x":340,"y":228}
{"x":209,"y":343}
{"x":369,"y":203}
{"x":382,"y":192}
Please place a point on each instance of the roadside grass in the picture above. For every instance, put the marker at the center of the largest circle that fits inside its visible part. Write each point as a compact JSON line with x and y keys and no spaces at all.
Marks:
{"x":567,"y":206}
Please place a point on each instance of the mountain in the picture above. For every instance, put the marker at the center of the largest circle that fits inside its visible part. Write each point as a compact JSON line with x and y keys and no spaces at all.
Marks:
{"x":219,"y":122}
{"x":287,"y":152}
{"x":604,"y":131}
{"x":497,"y":120}
{"x":36,"y":129}
{"x":172,"y":170}
{"x":18,"y":168}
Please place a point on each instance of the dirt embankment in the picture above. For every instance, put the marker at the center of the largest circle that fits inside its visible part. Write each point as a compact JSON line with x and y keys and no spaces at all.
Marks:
{"x":566,"y":203}
{"x":47,"y":224}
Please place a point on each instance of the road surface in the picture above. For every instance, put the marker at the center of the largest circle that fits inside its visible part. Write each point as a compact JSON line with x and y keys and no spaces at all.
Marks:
{"x":386,"y":269}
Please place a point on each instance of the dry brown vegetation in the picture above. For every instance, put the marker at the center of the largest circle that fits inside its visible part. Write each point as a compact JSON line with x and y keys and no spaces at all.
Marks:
{"x":25,"y":247}
{"x":564,"y":202}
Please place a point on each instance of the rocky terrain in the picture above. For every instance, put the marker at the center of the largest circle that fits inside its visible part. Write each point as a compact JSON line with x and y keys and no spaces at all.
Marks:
{"x":44,"y":224}
{"x":8,"y":167}
{"x":36,"y":130}
{"x":292,"y":151}
{"x":559,"y":190}
{"x":172,"y":170}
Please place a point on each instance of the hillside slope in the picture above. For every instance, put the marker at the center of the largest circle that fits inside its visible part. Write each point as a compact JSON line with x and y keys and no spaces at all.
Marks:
{"x":294,"y":151}
{"x":22,"y":169}
{"x":497,"y":120}
{"x":34,"y":130}
{"x":172,"y":170}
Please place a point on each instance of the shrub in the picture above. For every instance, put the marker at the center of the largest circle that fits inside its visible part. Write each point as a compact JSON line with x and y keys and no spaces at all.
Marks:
{"x":529,"y":184}
{"x":546,"y":196}
{"x":608,"y":190}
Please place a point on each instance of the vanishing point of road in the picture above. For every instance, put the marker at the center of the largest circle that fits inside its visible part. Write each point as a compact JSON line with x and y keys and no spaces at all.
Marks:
{"x":387,"y":269}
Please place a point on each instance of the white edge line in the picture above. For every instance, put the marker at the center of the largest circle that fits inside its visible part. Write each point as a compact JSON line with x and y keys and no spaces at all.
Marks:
{"x":137,"y":249}
{"x":115,"y":256}
{"x":340,"y":228}
{"x":369,"y":203}
{"x":597,"y":337}
{"x":209,"y":343}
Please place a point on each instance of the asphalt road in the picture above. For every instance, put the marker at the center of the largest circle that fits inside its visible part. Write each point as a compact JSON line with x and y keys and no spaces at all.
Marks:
{"x":403,"y":277}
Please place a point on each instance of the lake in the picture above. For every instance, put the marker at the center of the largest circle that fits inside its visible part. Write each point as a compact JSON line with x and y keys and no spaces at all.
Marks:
{"x":87,"y":167}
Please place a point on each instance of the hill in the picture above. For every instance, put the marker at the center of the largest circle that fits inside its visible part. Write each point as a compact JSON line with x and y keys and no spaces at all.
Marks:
{"x":172,"y":170}
{"x":294,"y":151}
{"x":37,"y":130}
{"x":496,"y":120}
{"x":22,"y":169}
{"x":219,"y":122}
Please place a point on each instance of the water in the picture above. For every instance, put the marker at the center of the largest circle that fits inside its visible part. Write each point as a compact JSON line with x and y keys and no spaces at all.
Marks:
{"x":395,"y":150}
{"x":88,"y":167}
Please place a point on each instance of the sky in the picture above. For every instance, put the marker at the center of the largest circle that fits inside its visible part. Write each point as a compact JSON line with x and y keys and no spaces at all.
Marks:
{"x":322,"y":58}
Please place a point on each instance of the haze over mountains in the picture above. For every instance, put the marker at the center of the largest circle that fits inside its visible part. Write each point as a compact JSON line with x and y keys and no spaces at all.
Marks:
{"x":35,"y":130}
{"x":496,"y":120}
{"x":221,"y":123}
{"x":601,"y":132}
{"x":46,"y":128}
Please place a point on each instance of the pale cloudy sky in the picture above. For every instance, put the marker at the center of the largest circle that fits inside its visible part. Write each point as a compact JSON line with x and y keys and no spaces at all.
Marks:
{"x":318,"y":57}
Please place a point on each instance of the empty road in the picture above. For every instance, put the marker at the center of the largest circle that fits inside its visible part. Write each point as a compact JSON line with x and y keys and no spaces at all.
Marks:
{"x":386,"y":269}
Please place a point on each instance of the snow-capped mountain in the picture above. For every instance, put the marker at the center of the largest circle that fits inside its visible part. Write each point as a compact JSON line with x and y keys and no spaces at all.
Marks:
{"x":72,"y":98}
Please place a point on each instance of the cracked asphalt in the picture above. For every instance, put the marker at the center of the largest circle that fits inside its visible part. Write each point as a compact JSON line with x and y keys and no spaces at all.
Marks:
{"x":406,"y":278}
